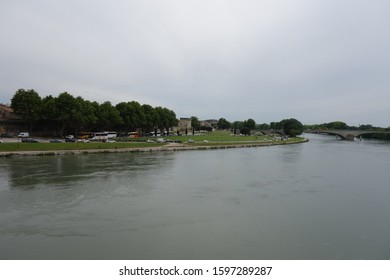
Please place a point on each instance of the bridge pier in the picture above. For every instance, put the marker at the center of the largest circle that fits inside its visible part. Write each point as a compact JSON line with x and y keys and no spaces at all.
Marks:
{"x":350,"y":137}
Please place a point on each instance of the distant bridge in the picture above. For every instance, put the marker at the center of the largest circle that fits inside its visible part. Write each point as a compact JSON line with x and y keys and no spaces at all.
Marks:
{"x":348,"y":134}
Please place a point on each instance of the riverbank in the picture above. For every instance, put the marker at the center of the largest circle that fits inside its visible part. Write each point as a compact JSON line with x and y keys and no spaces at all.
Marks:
{"x":166,"y":147}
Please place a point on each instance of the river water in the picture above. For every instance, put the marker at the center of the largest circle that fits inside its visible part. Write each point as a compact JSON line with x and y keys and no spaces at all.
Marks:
{"x":325,"y":199}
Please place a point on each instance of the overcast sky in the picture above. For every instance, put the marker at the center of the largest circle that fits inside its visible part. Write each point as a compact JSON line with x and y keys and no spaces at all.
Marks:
{"x":317,"y":61}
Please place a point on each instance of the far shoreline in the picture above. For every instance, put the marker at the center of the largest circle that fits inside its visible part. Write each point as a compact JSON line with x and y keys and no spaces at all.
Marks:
{"x":168,"y":147}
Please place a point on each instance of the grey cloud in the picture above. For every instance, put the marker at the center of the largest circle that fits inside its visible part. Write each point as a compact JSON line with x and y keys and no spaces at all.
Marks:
{"x":235,"y":59}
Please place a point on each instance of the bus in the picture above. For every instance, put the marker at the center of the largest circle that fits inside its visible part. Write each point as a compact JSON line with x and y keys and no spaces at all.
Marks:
{"x":100,"y":136}
{"x":103,"y":135}
{"x":111,"y":134}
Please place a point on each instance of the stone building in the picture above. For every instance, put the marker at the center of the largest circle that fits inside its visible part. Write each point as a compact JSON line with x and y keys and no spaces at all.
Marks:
{"x":10,"y":123}
{"x":184,"y":123}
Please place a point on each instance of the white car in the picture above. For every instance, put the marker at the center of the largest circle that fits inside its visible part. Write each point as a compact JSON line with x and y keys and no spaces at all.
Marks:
{"x":23,"y":134}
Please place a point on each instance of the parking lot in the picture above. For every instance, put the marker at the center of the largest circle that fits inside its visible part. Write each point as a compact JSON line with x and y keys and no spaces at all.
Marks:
{"x":16,"y":139}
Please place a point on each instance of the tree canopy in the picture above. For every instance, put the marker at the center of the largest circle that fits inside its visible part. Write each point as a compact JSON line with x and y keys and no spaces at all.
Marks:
{"x":223,"y":124}
{"x":291,"y":127}
{"x":68,"y":114}
{"x":250,"y":124}
{"x":27,"y":104}
{"x":330,"y":125}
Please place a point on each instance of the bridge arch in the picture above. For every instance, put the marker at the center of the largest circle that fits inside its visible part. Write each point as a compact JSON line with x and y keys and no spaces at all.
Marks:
{"x":351,"y":134}
{"x":340,"y":134}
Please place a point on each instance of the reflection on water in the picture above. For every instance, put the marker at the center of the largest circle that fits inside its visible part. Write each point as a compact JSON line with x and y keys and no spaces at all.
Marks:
{"x":30,"y":172}
{"x":325,"y":199}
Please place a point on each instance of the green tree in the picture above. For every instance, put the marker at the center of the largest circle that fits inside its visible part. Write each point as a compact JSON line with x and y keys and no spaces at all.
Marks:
{"x":276,"y":125}
{"x":139,"y":116}
{"x":366,"y":127}
{"x":161,"y":120}
{"x":245,"y":130}
{"x":337,"y":125}
{"x":108,"y":117}
{"x":171,"y":117}
{"x":131,"y":114}
{"x":237,"y":125}
{"x":292,"y":127}
{"x":125,"y":112}
{"x":150,"y":119}
{"x":49,"y":111}
{"x":89,"y":118}
{"x":68,"y":112}
{"x":223,"y":124}
{"x":28,"y":105}
{"x":249,"y":123}
{"x":263,"y":126}
{"x":195,"y":124}
{"x":165,"y":119}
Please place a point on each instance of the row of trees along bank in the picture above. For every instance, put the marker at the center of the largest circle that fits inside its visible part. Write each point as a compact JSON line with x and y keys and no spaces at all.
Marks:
{"x":291,"y":127}
{"x":66,"y":114}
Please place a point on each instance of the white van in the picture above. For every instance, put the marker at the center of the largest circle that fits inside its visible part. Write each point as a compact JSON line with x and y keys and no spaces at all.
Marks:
{"x":23,"y":134}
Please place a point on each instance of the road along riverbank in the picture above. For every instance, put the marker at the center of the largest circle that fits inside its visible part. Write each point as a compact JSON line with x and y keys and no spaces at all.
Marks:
{"x":166,"y":147}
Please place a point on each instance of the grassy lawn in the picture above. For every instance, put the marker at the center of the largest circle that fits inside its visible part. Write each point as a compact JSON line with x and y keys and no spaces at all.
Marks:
{"x":205,"y":139}
{"x":215,"y":137}
{"x":225,"y":138}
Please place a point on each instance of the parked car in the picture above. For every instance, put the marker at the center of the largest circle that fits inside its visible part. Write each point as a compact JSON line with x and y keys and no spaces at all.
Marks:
{"x":5,"y":135}
{"x":56,"y":141}
{"x":70,"y":140}
{"x":29,"y":140}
